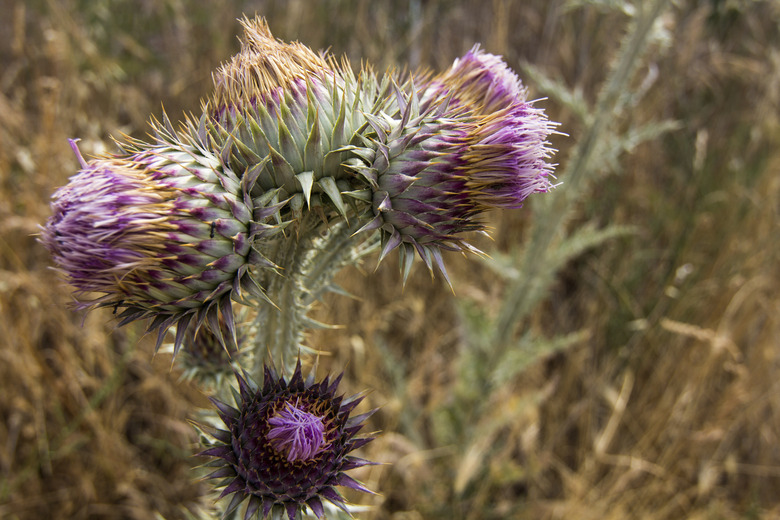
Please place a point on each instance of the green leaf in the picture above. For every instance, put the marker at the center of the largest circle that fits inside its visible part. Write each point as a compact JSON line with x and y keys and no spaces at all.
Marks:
{"x":556,"y":89}
{"x":582,"y":239}
{"x":529,"y":350}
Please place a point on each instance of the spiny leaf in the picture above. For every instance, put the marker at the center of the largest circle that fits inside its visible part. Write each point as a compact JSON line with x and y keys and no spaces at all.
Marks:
{"x":529,"y":350}
{"x":580,"y":241}
{"x":571,"y":99}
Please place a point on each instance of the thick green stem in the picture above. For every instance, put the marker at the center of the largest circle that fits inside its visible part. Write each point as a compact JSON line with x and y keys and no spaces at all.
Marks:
{"x":339,"y":248}
{"x":308,"y":263}
{"x":278,"y":328}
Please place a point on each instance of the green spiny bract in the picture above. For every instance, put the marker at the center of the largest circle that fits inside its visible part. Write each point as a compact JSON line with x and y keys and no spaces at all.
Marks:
{"x":293,"y":120}
{"x":207,"y":359}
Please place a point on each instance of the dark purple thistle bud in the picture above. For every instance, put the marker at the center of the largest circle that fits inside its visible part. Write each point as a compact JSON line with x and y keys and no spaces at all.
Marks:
{"x":287,"y":445}
{"x":164,"y":233}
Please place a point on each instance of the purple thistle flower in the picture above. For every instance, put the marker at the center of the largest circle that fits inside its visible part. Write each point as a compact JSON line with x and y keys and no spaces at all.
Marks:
{"x":464,"y":142}
{"x":296,"y":432}
{"x":287,"y":445}
{"x":164,"y":233}
{"x":506,"y":158}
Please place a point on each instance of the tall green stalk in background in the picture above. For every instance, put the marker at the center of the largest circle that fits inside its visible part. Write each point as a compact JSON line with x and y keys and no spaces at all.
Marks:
{"x":496,"y":353}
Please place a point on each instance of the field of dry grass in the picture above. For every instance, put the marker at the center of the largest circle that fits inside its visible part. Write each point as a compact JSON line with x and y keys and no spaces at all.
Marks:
{"x":643,"y":382}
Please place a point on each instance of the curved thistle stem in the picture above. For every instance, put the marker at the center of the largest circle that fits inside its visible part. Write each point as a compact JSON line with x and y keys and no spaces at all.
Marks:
{"x":308,"y":263}
{"x":338,"y":249}
{"x":279,"y":327}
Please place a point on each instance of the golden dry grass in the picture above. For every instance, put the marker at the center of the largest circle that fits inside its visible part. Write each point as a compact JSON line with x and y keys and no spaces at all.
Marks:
{"x":670,"y":406}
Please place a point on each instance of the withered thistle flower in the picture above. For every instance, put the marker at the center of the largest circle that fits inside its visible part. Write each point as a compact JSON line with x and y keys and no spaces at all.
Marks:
{"x":287,"y":445}
{"x":165,"y":232}
{"x":263,"y":65}
{"x":293,"y":115}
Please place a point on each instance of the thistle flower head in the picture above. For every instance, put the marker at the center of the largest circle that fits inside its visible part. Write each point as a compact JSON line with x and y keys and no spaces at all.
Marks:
{"x":207,"y":358}
{"x":293,"y":116}
{"x":296,"y":432}
{"x":163,"y":233}
{"x":287,"y":445}
{"x":506,"y":159}
{"x":462,"y":144}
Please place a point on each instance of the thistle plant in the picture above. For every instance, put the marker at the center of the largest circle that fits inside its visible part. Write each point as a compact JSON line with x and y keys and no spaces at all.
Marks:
{"x":296,"y":167}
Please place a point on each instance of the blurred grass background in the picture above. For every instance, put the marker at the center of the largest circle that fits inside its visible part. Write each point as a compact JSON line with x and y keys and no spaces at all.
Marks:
{"x":641,"y":383}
